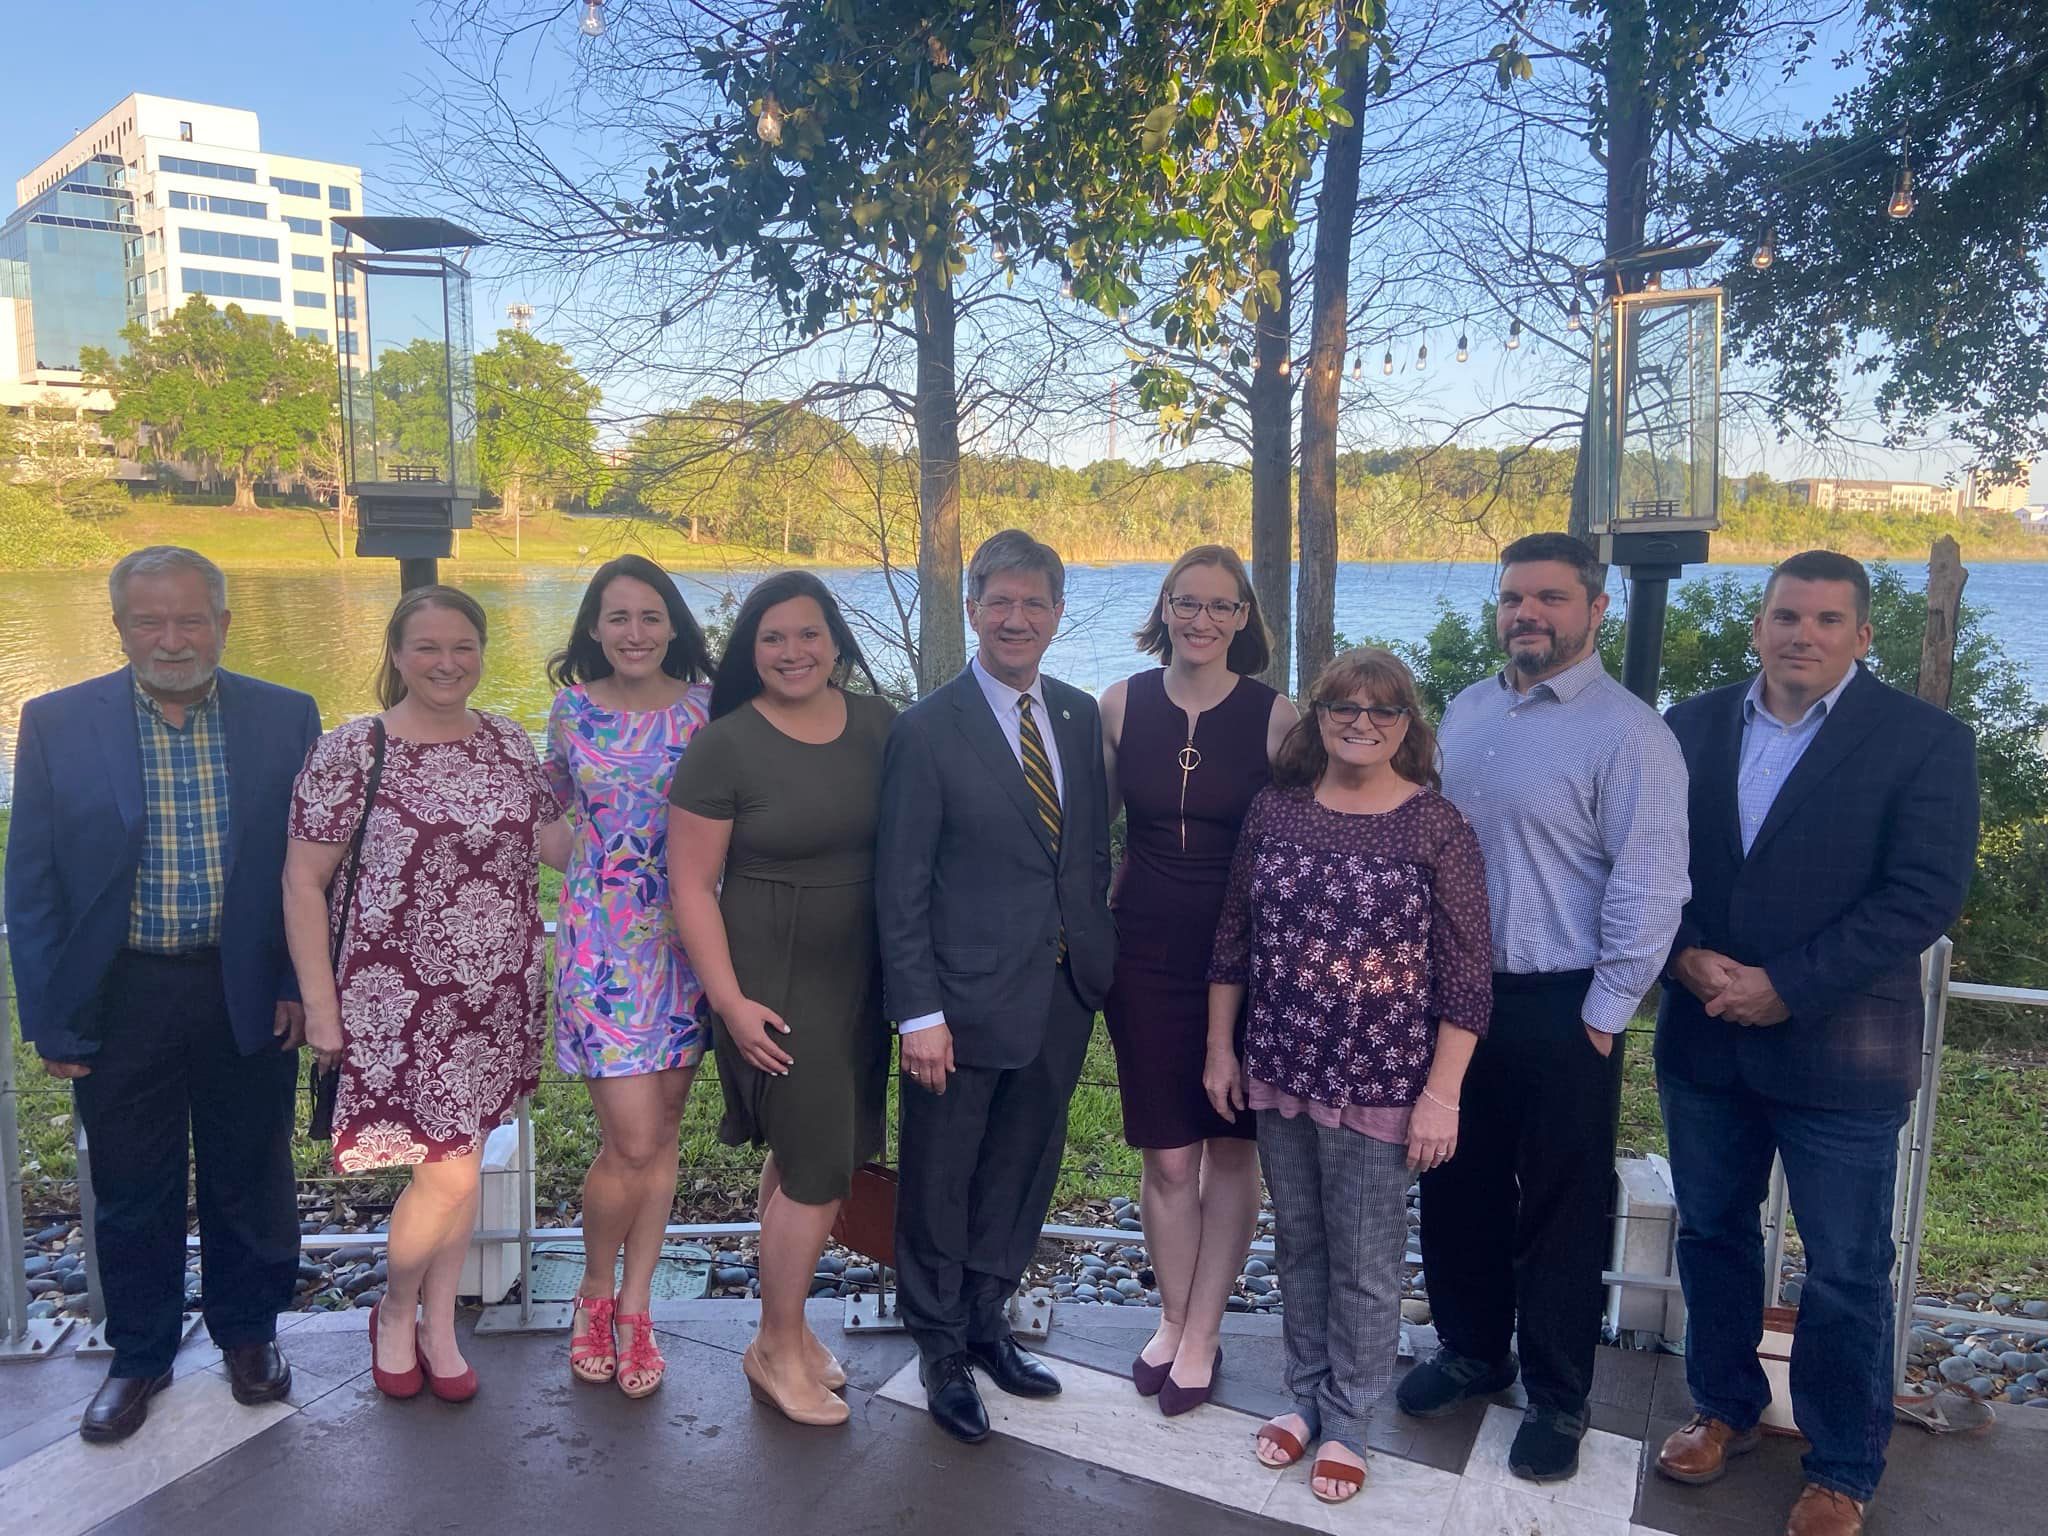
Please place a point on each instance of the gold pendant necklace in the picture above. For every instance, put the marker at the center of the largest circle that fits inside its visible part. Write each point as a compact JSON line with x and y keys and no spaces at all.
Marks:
{"x":1190,"y":760}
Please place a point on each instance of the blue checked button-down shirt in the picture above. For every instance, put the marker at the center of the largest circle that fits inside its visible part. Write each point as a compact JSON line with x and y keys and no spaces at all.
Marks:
{"x":1577,"y":791}
{"x":1771,"y":749}
{"x":179,"y":886}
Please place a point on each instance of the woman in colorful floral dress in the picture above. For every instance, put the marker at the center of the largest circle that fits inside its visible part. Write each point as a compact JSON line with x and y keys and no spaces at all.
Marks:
{"x":432,"y":1001}
{"x":626,"y":999}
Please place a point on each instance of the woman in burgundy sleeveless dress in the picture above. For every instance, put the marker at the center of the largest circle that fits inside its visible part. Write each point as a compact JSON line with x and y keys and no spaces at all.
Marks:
{"x":1188,"y":745}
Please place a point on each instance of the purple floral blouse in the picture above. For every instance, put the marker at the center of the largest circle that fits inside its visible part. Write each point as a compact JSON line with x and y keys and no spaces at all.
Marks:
{"x":1355,"y":935}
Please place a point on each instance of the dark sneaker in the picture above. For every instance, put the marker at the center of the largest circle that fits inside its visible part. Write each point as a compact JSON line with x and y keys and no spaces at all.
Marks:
{"x":1546,"y":1448}
{"x":1438,"y":1385}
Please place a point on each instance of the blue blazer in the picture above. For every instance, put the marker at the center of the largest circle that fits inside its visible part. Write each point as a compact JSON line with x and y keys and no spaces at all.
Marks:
{"x":1863,"y":861}
{"x":75,"y":843}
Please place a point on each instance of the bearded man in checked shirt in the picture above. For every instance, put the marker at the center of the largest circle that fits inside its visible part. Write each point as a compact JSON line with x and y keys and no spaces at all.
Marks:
{"x":1577,"y":791}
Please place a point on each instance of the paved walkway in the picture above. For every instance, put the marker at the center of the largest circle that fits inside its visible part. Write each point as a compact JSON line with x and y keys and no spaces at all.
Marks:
{"x":536,"y":1451}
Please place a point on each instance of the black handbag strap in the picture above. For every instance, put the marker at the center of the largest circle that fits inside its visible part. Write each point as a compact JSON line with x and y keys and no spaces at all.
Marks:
{"x":355,"y":846}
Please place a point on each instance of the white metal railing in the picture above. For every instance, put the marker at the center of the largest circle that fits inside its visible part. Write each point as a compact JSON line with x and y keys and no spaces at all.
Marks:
{"x":22,"y":1337}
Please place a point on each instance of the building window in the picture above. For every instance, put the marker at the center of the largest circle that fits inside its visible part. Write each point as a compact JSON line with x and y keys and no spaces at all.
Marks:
{"x":345,"y":306}
{"x":135,"y":287}
{"x":308,"y":300}
{"x":308,"y":263}
{"x":338,"y":199}
{"x":212,"y":169}
{"x":336,"y":234}
{"x":200,"y":202}
{"x":347,"y":343}
{"x":310,"y":333}
{"x":216,"y":242}
{"x":230,"y":285}
{"x":152,"y":242}
{"x":154,"y":284}
{"x":301,"y":226}
{"x":292,"y":188}
{"x":185,"y":132}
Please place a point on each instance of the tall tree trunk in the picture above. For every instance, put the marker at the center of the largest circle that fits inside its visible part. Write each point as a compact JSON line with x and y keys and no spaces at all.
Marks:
{"x":941,"y":627}
{"x":1631,"y":125}
{"x":1336,"y":208}
{"x":1271,"y":410}
{"x":245,"y":491}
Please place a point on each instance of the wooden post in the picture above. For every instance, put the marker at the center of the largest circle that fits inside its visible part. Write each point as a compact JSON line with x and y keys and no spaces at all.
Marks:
{"x":1945,"y":578}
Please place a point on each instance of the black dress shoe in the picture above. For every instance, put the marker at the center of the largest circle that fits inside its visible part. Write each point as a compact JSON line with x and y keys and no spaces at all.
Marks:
{"x":1016,"y":1372}
{"x":257,"y":1373}
{"x":119,"y":1407}
{"x":954,"y":1401}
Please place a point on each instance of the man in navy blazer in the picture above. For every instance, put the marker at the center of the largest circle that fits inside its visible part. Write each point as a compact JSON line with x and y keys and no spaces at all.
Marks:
{"x":1834,"y":832}
{"x":145,"y":922}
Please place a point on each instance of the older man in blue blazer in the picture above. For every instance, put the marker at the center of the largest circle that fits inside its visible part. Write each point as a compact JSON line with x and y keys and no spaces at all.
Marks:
{"x":1834,"y":831}
{"x":145,"y":921}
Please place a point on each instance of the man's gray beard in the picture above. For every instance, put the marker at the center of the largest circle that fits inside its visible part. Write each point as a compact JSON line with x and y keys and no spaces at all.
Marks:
{"x":184,"y":677}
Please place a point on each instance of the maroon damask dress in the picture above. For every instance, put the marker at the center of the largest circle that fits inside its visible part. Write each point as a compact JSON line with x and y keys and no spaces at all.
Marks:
{"x":1185,"y":797}
{"x":443,"y":1003}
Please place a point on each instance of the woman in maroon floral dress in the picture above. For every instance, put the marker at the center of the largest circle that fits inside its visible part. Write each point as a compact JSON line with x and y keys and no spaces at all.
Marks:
{"x":435,"y":1008}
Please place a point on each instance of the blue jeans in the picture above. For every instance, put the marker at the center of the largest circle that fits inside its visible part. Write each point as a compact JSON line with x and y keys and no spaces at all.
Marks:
{"x":1840,"y":1169}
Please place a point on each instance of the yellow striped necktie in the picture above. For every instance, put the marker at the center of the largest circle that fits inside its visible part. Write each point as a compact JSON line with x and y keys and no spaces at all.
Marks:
{"x":1038,"y":771}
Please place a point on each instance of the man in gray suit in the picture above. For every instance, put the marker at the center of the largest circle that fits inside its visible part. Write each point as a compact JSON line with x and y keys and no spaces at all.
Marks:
{"x":992,"y":890}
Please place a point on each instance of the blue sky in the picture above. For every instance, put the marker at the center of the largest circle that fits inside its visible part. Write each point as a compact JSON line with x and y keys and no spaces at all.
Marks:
{"x":62,"y":65}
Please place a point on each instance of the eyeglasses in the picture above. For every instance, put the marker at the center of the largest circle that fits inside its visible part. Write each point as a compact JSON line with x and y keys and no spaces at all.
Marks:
{"x":1003,"y":607}
{"x":1221,"y":609}
{"x":1344,"y":712}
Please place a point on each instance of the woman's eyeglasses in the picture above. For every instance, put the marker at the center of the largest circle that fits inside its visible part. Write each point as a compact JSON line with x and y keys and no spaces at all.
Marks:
{"x":1221,"y":609}
{"x":1344,"y":712}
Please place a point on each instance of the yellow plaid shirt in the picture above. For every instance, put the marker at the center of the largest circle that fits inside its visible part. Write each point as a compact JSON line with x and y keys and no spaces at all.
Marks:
{"x":183,"y":874}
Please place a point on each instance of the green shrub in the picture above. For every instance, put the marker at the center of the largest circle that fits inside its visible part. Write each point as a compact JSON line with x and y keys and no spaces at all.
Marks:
{"x":35,"y":536}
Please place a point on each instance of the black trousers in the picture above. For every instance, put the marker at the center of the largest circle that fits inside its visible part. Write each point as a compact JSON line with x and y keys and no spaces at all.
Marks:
{"x":167,"y":1058}
{"x":1515,"y":1227}
{"x":976,"y":1166}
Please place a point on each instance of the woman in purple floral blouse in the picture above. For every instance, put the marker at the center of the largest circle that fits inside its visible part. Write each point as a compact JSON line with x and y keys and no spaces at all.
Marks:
{"x":1356,"y":918}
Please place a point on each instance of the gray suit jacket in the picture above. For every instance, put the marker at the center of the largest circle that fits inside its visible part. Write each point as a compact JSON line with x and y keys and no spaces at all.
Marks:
{"x":970,"y":898}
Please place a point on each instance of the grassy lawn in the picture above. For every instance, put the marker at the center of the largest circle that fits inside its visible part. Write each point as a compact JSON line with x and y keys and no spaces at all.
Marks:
{"x":286,"y":536}
{"x":1987,"y":1218}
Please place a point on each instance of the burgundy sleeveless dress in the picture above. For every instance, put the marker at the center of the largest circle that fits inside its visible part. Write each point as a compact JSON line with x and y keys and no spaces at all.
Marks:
{"x":1183,"y":826}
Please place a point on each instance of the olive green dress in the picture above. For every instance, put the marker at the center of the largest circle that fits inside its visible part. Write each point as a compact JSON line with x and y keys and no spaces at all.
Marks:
{"x":799,"y":908}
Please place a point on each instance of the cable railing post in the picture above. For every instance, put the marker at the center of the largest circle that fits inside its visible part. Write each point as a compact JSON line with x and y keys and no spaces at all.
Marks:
{"x":23,"y":1339}
{"x":526,"y":1211}
{"x":1935,"y":967}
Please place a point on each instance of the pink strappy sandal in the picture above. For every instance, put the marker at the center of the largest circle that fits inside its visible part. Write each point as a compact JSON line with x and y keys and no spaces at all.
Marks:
{"x":594,"y":1354}
{"x":642,"y":1357}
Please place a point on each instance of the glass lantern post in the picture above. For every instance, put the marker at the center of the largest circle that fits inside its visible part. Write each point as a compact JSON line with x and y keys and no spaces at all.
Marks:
{"x":1653,"y":479}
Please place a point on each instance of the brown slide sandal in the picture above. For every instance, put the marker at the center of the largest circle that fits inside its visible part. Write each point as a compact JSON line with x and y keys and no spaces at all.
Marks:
{"x":1272,"y":1433}
{"x":1346,"y":1476}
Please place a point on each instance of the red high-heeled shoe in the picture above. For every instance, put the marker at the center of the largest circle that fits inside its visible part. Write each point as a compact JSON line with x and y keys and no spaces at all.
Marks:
{"x":394,"y":1383}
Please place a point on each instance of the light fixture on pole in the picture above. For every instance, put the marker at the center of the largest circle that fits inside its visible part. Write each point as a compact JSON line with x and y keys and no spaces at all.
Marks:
{"x":1387,"y":362}
{"x":1903,"y":202}
{"x":1766,"y":253}
{"x":1515,"y":334}
{"x":592,"y":24}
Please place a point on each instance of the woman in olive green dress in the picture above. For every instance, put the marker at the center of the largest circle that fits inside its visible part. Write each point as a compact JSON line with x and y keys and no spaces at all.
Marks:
{"x":778,"y":795}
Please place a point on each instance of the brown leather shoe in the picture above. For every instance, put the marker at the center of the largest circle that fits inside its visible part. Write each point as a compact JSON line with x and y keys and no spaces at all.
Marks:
{"x":1824,"y":1512}
{"x":1698,"y":1451}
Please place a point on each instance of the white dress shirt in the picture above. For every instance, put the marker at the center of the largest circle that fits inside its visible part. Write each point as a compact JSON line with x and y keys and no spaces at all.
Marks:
{"x":1003,"y":703}
{"x":1771,"y":749}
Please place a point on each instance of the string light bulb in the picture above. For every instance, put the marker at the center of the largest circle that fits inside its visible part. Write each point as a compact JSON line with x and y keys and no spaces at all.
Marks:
{"x":1766,"y":253}
{"x":592,"y":24}
{"x":769,"y":124}
{"x":1286,"y":366}
{"x":1575,"y":317}
{"x":1515,"y":334}
{"x":1654,"y":282}
{"x":1357,"y":365}
{"x":1387,"y":362}
{"x":1464,"y":348}
{"x":1903,"y":202}
{"x":1422,"y":357}
{"x":1067,"y":289}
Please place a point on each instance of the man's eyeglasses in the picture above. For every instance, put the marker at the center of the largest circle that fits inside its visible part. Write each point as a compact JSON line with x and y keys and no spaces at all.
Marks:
{"x":1002,"y":607}
{"x":1344,"y":712}
{"x":1221,"y":609}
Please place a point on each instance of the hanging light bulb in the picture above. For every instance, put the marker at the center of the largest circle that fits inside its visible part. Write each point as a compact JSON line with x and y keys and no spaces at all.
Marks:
{"x":1067,"y":289}
{"x":592,"y":24}
{"x":1357,"y":365}
{"x":1515,"y":334}
{"x":1387,"y":362}
{"x":1000,"y":252}
{"x":1286,"y":366}
{"x":1903,"y":202}
{"x":1766,"y":253}
{"x":1464,"y":347}
{"x":1575,"y":316}
{"x":1422,"y":357}
{"x":769,"y":124}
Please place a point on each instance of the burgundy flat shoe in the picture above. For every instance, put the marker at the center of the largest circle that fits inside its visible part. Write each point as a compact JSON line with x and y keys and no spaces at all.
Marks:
{"x":450,"y":1389}
{"x":1147,"y":1377}
{"x":1175,"y":1399}
{"x":394,"y":1383}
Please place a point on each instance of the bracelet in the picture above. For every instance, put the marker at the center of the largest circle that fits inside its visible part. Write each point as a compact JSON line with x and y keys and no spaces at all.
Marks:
{"x":1439,"y":1102}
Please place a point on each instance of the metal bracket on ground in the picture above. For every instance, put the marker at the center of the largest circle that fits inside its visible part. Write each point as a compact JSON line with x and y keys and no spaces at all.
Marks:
{"x":1030,"y":1316}
{"x":40,"y":1341}
{"x":95,"y":1343}
{"x":542,"y":1317}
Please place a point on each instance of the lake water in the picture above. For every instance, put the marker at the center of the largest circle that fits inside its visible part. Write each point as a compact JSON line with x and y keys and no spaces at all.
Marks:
{"x":319,"y":630}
